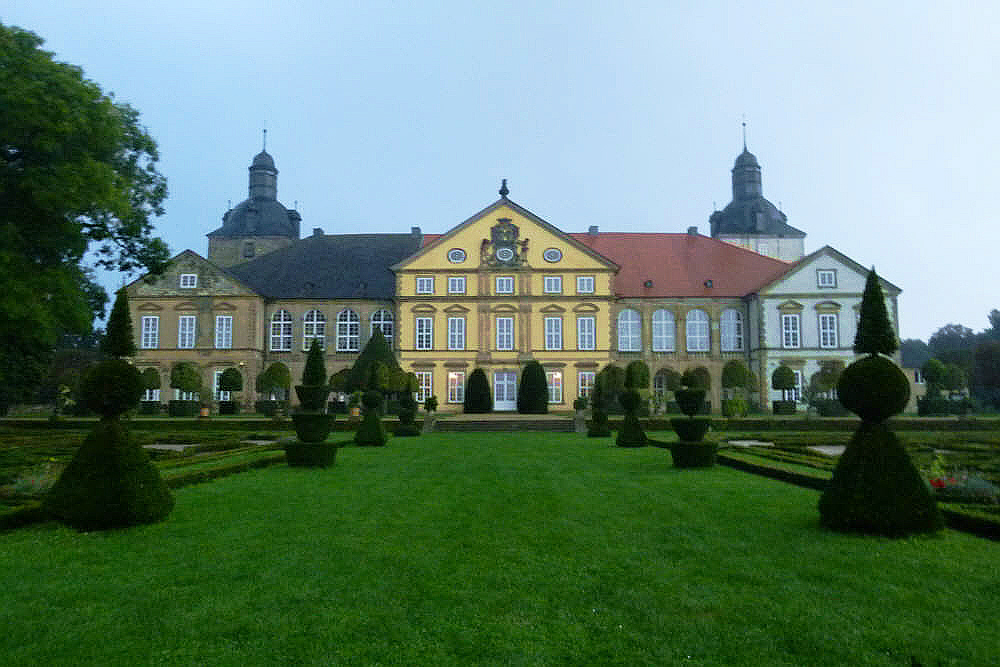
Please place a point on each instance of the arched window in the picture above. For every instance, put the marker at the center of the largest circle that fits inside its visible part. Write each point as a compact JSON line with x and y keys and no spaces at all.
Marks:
{"x":731,"y":325}
{"x":629,"y":339}
{"x":665,"y":380}
{"x":313,"y":327}
{"x":382,"y":320}
{"x":348,"y":331}
{"x":281,"y":331}
{"x":697,"y":331}
{"x":663,"y":331}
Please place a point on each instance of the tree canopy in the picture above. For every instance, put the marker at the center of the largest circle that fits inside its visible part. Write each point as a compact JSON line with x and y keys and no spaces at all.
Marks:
{"x":77,"y":173}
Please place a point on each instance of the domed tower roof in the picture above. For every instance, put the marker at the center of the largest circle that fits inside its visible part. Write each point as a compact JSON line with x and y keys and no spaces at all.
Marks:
{"x":261,"y":214}
{"x":749,"y":213}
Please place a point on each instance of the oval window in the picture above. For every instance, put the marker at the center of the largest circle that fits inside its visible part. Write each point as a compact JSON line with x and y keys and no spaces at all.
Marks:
{"x":552,"y":255}
{"x":505,"y":254}
{"x":456,"y":255}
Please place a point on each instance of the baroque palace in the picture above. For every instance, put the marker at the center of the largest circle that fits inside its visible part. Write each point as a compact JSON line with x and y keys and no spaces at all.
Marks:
{"x":499,"y":289}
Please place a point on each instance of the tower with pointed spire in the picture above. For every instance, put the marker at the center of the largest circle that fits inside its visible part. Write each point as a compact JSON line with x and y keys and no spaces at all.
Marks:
{"x":750,"y":220}
{"x":257,"y":225}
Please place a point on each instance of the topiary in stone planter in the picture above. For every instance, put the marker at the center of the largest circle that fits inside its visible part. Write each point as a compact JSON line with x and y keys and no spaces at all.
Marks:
{"x":690,"y":429}
{"x":310,"y":454}
{"x":693,"y":454}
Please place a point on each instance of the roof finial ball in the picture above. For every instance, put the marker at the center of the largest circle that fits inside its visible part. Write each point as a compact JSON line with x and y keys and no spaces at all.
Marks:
{"x":503,"y":188}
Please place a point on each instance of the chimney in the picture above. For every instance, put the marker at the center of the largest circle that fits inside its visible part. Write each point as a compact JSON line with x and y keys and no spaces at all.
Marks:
{"x":593,"y":230}
{"x":317,"y":231}
{"x":418,"y":235}
{"x":692,"y":231}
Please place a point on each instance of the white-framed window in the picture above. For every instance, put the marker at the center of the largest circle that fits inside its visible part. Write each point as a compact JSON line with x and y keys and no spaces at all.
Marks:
{"x":660,"y":385}
{"x":425,"y":284}
{"x":629,"y":338}
{"x":313,"y":328}
{"x":664,"y":331}
{"x":585,"y":333}
{"x":696,"y":331}
{"x":151,"y":395}
{"x":505,"y":285}
{"x":791,"y":330}
{"x":762,"y":248}
{"x":189,"y":280}
{"x":505,"y":333}
{"x":554,"y":380}
{"x":553,"y":285}
{"x":382,"y":321}
{"x":585,"y":383}
{"x":456,"y":285}
{"x":828,"y":330}
{"x":826,"y":277}
{"x":348,"y":331}
{"x":186,"y":395}
{"x":797,"y":389}
{"x":150,"y":339}
{"x":223,"y":332}
{"x":456,"y":333}
{"x":185,"y":332}
{"x":281,"y":331}
{"x":731,"y":324}
{"x":585,"y":284}
{"x":456,"y":386}
{"x":918,"y":376}
{"x":218,"y":394}
{"x":424,"y":333}
{"x":553,"y":333}
{"x":425,"y":386}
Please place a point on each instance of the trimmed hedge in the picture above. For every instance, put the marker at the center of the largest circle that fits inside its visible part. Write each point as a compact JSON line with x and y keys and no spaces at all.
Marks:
{"x":876,"y":488}
{"x":109,"y":483}
{"x":312,"y":397}
{"x":183,"y":408}
{"x":478,"y":397}
{"x":112,"y":387}
{"x":783,"y":407}
{"x":149,"y":407}
{"x":927,"y":407}
{"x":533,"y":394}
{"x":229,"y":408}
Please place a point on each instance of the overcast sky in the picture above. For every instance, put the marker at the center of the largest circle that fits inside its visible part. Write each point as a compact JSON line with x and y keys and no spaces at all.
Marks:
{"x":875,"y":124}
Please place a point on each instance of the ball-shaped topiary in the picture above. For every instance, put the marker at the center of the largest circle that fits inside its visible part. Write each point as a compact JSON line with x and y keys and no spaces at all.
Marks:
{"x":874,"y":388}
{"x":112,"y":387}
{"x":110,"y":483}
{"x":690,"y":401}
{"x":636,"y":375}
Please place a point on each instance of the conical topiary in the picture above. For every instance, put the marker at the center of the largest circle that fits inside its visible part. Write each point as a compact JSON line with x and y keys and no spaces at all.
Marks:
{"x":111,"y":482}
{"x":875,"y":333}
{"x":118,"y":338}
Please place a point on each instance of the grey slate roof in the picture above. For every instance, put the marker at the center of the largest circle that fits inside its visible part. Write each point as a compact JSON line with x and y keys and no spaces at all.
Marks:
{"x":258,"y":217}
{"x":752,"y":216}
{"x":334,"y":266}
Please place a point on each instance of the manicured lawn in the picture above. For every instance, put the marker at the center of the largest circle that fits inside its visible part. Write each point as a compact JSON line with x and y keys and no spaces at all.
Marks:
{"x":495,"y":549}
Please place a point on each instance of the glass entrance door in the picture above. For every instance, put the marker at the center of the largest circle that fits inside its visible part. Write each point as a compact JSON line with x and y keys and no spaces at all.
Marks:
{"x":504,"y":391}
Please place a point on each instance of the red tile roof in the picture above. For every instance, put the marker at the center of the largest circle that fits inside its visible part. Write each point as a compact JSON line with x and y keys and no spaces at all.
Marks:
{"x":679,"y":265}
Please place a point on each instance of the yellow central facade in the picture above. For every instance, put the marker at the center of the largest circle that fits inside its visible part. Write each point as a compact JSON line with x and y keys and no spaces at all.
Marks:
{"x":502,"y":288}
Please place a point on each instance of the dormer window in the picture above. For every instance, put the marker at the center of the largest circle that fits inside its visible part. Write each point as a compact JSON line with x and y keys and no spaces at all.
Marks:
{"x":189,"y":280}
{"x":249,"y":250}
{"x":826,"y":278}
